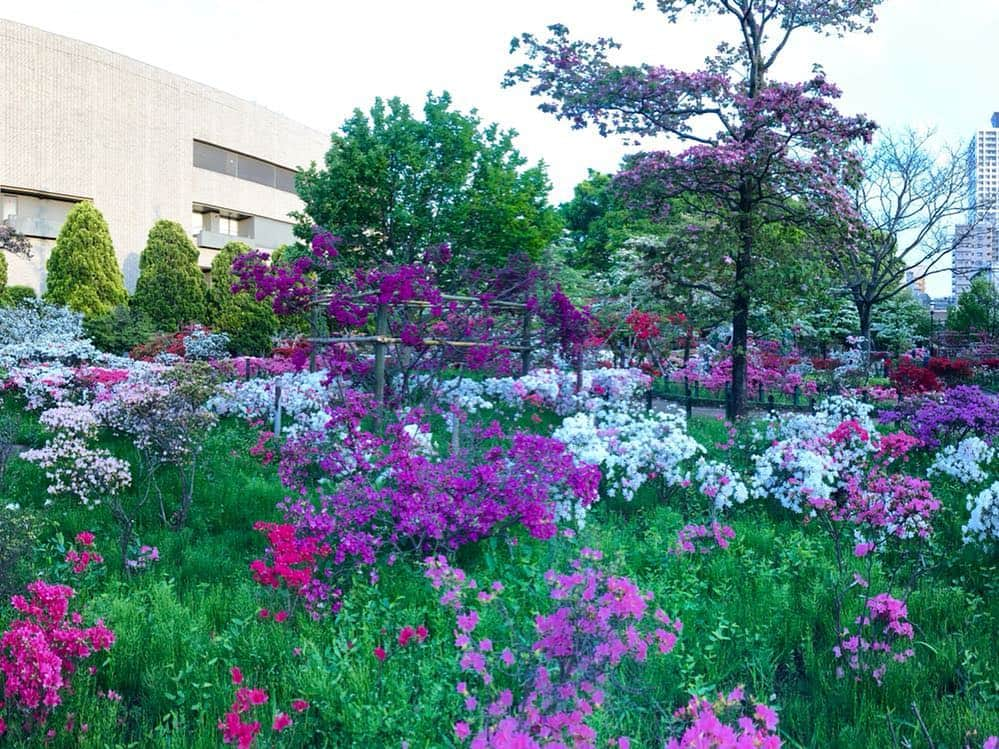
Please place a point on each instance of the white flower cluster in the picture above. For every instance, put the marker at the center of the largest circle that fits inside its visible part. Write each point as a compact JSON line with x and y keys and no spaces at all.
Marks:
{"x":72,"y":466}
{"x":720,"y":483}
{"x":545,"y":387}
{"x":36,"y":331}
{"x":630,"y":449}
{"x":967,"y":461}
{"x":69,"y":417}
{"x":304,"y":398}
{"x":983,"y":525}
{"x":75,"y":469}
{"x":204,"y":344}
{"x":795,"y":472}
{"x":33,"y":319}
{"x":829,"y":414}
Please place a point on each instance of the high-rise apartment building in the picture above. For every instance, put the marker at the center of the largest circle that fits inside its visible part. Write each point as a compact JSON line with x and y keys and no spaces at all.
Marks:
{"x":976,"y":244}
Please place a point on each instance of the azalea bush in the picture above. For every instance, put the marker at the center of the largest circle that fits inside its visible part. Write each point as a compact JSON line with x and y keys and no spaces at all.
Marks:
{"x":540,"y":691}
{"x":373,"y":495}
{"x":40,"y":652}
{"x":843,"y":480}
{"x":631,"y":448}
{"x":983,"y":524}
{"x":767,"y":369}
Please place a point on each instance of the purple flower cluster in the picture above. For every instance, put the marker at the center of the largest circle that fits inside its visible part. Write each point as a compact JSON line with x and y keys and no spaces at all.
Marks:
{"x":382,"y":493}
{"x":543,"y":694}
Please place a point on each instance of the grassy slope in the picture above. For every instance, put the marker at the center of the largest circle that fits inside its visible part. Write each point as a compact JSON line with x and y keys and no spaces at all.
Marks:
{"x":752,"y":615}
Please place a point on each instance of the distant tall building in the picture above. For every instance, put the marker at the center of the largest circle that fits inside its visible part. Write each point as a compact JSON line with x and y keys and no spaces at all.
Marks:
{"x":976,"y":244}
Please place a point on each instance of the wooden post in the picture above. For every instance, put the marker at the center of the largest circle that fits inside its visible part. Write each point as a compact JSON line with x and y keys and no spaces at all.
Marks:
{"x":797,"y":393}
{"x":314,"y":330}
{"x":456,"y":436}
{"x":277,"y":410}
{"x":525,"y":341}
{"x":761,"y":392}
{"x":381,"y":329}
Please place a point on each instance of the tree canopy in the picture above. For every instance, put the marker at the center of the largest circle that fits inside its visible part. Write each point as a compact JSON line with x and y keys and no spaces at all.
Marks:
{"x":977,"y":309}
{"x":171,"y":288}
{"x":781,"y":151}
{"x":393,"y":185}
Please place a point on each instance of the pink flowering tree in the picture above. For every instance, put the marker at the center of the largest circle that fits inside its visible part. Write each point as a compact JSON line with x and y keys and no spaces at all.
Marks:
{"x":780,"y":150}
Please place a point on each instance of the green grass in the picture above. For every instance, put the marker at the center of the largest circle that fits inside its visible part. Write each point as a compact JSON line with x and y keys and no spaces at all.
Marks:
{"x":756,"y":615}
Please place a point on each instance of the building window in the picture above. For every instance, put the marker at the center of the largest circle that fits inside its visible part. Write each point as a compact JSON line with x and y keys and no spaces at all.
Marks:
{"x":8,"y":207}
{"x":241,"y":166}
{"x":229,"y":226}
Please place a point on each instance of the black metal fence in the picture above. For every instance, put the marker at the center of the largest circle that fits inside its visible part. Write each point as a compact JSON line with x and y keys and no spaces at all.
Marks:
{"x":694,"y":395}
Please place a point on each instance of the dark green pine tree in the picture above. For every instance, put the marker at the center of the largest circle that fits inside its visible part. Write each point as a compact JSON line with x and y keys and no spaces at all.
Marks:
{"x":171,"y":288}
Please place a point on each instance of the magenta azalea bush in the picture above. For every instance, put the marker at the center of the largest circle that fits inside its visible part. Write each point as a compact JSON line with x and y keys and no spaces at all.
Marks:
{"x":42,"y":649}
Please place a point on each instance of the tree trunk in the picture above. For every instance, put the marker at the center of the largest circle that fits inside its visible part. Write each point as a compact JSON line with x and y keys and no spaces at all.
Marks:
{"x":741,"y":300}
{"x":864,"y":313}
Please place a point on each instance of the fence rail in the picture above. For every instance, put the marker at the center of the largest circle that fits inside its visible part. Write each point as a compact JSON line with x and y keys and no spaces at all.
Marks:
{"x":693,"y":395}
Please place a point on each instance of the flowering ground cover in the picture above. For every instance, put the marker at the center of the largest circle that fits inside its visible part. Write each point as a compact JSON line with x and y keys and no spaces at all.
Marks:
{"x":505,"y":562}
{"x":743,"y":647}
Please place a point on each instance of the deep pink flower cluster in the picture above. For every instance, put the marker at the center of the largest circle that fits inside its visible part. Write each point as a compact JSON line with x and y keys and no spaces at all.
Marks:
{"x":707,"y":730}
{"x":81,"y":560}
{"x":883,"y":635}
{"x":40,"y":651}
{"x":294,"y":559}
{"x":544,"y":696}
{"x":236,"y":726}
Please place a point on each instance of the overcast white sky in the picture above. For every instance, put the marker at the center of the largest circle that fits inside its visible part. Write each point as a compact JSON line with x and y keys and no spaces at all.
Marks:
{"x":929,"y":63}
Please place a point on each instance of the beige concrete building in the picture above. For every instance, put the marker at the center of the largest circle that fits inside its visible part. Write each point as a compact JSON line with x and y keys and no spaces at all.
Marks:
{"x":81,"y":123}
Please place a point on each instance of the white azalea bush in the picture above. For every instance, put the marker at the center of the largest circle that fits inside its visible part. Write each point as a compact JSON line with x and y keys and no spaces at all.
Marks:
{"x":631,"y":448}
{"x":73,"y":467}
{"x":543,"y":388}
{"x":967,"y":461}
{"x":983,"y":524}
{"x":304,"y":398}
{"x":721,"y":484}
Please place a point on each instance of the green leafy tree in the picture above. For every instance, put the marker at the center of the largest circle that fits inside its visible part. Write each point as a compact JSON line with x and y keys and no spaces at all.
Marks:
{"x":977,"y":309}
{"x":250,"y":324}
{"x":171,"y":289}
{"x":901,"y":322}
{"x":120,"y":330}
{"x":82,"y":271}
{"x":599,"y":223}
{"x":393,"y":185}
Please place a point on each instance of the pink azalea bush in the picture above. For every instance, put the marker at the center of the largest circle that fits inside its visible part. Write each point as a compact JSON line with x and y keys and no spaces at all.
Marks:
{"x":706,"y":729}
{"x":543,"y":693}
{"x":41,"y":650}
